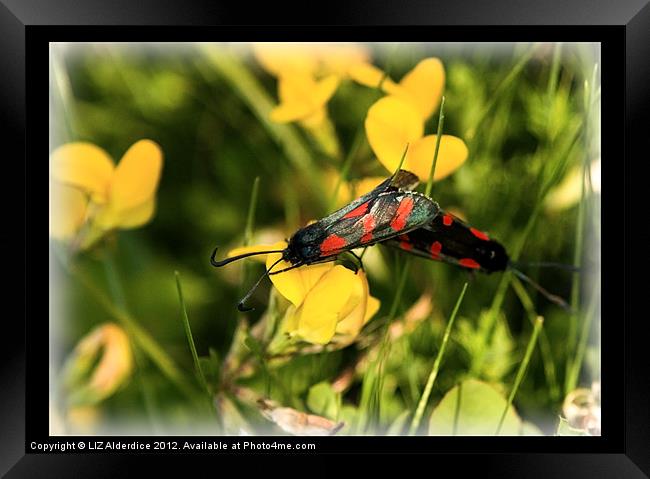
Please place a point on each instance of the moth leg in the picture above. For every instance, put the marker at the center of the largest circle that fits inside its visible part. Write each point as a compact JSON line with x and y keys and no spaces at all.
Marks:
{"x":328,"y":260}
{"x":359,"y":259}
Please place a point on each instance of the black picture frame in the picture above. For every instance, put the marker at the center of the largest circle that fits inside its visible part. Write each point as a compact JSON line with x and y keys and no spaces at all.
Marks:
{"x":622,"y":27}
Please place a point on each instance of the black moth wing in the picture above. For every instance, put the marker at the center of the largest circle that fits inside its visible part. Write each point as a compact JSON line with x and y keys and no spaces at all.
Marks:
{"x":401,"y":180}
{"x":389,"y":214}
{"x":448,"y":239}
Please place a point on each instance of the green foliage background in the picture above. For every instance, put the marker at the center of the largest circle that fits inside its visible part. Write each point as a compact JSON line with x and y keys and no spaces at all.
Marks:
{"x":521,"y":110}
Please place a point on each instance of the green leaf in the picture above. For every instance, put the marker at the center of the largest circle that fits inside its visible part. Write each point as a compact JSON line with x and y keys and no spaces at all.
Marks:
{"x":473,"y":408}
{"x":322,"y":400}
{"x":497,"y":355}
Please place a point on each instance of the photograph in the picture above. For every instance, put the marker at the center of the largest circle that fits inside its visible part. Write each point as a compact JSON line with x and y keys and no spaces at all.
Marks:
{"x":325,"y":239}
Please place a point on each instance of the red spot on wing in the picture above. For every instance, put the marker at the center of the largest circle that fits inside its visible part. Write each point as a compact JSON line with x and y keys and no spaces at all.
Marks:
{"x":435,"y":249}
{"x":403,"y":211}
{"x":368,"y":228}
{"x":447,"y":220}
{"x":368,"y":223}
{"x":405,"y":245}
{"x":332,"y":243}
{"x":358,"y":211}
{"x":469,"y":263}
{"x":479,"y":234}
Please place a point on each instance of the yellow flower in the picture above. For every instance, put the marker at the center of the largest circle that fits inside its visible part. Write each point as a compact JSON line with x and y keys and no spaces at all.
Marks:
{"x":569,"y":191}
{"x":89,"y":381}
{"x":398,"y":119}
{"x":302,"y":97}
{"x":286,"y":59}
{"x":88,"y":189}
{"x":326,"y":299}
{"x":422,"y":86}
{"x":308,"y":76}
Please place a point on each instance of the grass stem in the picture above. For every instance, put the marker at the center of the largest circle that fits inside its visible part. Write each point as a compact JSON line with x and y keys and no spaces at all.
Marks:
{"x":424,"y":399}
{"x":539,"y":322}
{"x":544,"y":344}
{"x":188,"y":334}
{"x":441,"y":120}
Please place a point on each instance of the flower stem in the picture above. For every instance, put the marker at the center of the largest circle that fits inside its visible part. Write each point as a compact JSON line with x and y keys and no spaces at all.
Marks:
{"x":424,"y":399}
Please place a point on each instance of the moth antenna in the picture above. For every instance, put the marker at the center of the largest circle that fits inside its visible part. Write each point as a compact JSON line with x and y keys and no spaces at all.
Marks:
{"x":226,"y":261}
{"x":240,"y":306}
{"x":551,"y":297}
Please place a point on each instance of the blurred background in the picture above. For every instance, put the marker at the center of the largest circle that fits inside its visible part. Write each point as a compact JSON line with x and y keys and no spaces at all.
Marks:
{"x":529,"y":116}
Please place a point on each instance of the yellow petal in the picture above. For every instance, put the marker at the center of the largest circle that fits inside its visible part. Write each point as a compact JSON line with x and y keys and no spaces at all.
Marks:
{"x":316,"y":120}
{"x":290,"y":322}
{"x":323,"y":132}
{"x":100,"y":363}
{"x":116,"y":362}
{"x":110,"y":217}
{"x":371,"y":308}
{"x":301,"y":97}
{"x":296,"y":283}
{"x":136,"y":177}
{"x":340,"y":58}
{"x":353,"y":313}
{"x":366,"y":185}
{"x":84,"y":419}
{"x":451,"y":155}
{"x":68,"y":211}
{"x":391,"y":124}
{"x":84,"y":166}
{"x":286,"y":59}
{"x":254,"y":249}
{"x":370,"y":76}
{"x":424,"y":85}
{"x":569,"y":191}
{"x":321,"y":310}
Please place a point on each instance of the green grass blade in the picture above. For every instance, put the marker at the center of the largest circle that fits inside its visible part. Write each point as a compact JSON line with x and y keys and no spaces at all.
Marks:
{"x":188,"y":333}
{"x":424,"y":399}
{"x":539,"y":322}
{"x":570,"y":377}
{"x":544,"y":344}
{"x":441,"y":120}
{"x":250,"y":217}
